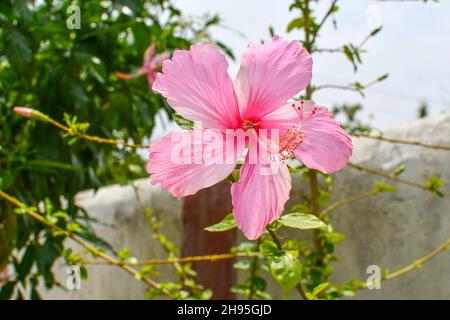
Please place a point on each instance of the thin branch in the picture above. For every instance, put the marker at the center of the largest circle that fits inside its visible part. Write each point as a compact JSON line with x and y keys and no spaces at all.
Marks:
{"x":340,"y":49}
{"x":95,"y":138}
{"x":314,"y":186}
{"x":388,"y":176}
{"x":324,"y":19}
{"x":276,"y":239}
{"x":39,"y":116}
{"x":347,"y":201}
{"x":82,"y":243}
{"x":356,"y":87}
{"x":336,"y":86}
{"x":415,"y":265}
{"x":400,"y":141}
{"x":328,"y":50}
{"x":253,"y":272}
{"x":206,"y":258}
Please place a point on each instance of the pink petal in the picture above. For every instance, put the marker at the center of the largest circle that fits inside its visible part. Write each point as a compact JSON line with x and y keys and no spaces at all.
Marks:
{"x":197,"y":85}
{"x":270,"y":75}
{"x":24,"y":112}
{"x":259,"y":196}
{"x":183,"y":162}
{"x":160,"y":58}
{"x":284,"y":117}
{"x":149,"y":54}
{"x":150,"y":79}
{"x":326,"y":146}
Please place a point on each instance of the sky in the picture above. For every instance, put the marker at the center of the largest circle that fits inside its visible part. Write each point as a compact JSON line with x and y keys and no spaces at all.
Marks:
{"x":413,"y":47}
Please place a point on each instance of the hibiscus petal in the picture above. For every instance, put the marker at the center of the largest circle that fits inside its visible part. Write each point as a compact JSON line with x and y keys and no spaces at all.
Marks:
{"x":326,"y":146}
{"x":185,"y":162}
{"x":197,"y":85}
{"x":149,"y":54}
{"x":160,"y":58}
{"x":284,"y":117}
{"x":150,"y":80}
{"x":259,"y":196}
{"x":270,"y":74}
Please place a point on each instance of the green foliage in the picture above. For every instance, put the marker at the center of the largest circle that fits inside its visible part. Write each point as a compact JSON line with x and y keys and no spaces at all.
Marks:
{"x":283,"y":265}
{"x":70,"y":75}
{"x":182,"y":122}
{"x":435,"y":184}
{"x":227,"y":223}
{"x":302,"y":221}
{"x":383,"y":187}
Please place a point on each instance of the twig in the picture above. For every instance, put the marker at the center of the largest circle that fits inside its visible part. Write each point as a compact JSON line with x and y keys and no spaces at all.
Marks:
{"x":207,"y":258}
{"x":83,"y":243}
{"x":324,"y":19}
{"x":349,"y":87}
{"x":253,"y":271}
{"x":400,"y":141}
{"x":349,"y":200}
{"x":39,"y":116}
{"x":95,"y":138}
{"x":388,"y":176}
{"x":415,"y":265}
{"x":276,"y":239}
{"x":315,"y":208}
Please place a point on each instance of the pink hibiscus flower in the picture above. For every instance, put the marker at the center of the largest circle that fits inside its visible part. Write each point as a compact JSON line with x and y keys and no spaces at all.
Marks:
{"x":197,"y":85}
{"x":151,"y":64}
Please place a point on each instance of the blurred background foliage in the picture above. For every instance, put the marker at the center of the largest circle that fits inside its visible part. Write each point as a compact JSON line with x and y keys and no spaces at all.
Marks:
{"x":48,"y":67}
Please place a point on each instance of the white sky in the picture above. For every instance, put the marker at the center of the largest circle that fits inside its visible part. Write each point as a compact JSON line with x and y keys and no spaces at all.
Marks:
{"x":413,"y":47}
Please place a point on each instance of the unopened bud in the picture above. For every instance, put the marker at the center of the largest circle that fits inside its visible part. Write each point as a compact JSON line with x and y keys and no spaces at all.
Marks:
{"x":24,"y":112}
{"x":31,"y":114}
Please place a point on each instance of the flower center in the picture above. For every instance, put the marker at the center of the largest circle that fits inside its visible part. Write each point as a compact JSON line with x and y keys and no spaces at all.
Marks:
{"x":248,"y":124}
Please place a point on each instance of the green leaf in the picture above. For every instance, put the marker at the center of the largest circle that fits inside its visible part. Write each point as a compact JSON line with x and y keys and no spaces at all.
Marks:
{"x":123,"y":254}
{"x":349,"y":54}
{"x":182,"y":122}
{"x":295,"y":24}
{"x":383,"y":77}
{"x":269,"y":247}
{"x":7,"y":290}
{"x":263,"y":295}
{"x":335,"y":237}
{"x":226,"y":49}
{"x":286,"y":270}
{"x":17,"y":49}
{"x":26,"y":263}
{"x":375,"y":31}
{"x":302,"y":221}
{"x":434,"y":184}
{"x":399,"y":170}
{"x":258,"y":283}
{"x":242,"y":265}
{"x":383,"y":187}
{"x":320,"y":288}
{"x":227,"y":223}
